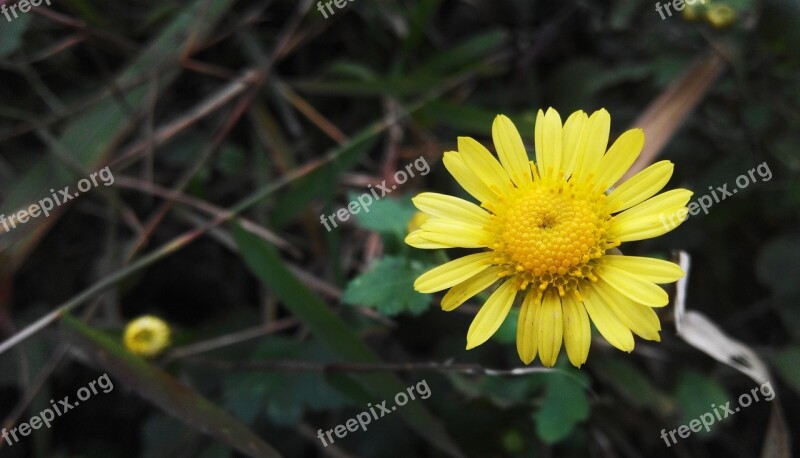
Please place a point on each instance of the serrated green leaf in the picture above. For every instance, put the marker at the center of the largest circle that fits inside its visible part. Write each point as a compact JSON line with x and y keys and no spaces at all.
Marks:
{"x":387,"y":215}
{"x":388,"y":287}
{"x":565,"y":405}
{"x":695,"y":393}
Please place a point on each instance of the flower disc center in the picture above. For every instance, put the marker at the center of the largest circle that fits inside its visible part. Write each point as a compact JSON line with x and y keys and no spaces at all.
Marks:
{"x":549,"y":231}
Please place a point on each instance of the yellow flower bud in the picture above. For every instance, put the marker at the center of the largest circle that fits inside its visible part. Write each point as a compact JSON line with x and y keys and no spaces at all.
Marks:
{"x":720,"y":16}
{"x":147,"y":336}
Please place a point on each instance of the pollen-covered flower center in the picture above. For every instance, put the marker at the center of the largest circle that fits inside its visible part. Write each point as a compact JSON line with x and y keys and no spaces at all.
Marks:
{"x":548,"y":233}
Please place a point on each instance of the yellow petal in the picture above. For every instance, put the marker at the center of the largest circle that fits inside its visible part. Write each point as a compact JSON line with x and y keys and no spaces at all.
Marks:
{"x":592,"y":144}
{"x":454,"y":234}
{"x":641,"y":186}
{"x":416,"y":240}
{"x":616,"y":333}
{"x":467,"y":178}
{"x":526,"y":327}
{"x":619,"y":158}
{"x":462,"y":292}
{"x":633,"y":287}
{"x":481,"y":161}
{"x":649,"y":226}
{"x":577,"y":331}
{"x":574,"y":128}
{"x":491,"y":314}
{"x":550,"y":328}
{"x":653,"y":217}
{"x":640,"y":319}
{"x":547,"y":140}
{"x":650,"y":269}
{"x":658,"y":204}
{"x":450,"y":207}
{"x":453,"y":272}
{"x":511,"y":150}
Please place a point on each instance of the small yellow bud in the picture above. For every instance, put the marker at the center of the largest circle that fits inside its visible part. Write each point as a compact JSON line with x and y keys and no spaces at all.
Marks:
{"x":720,"y":16}
{"x":147,"y":336}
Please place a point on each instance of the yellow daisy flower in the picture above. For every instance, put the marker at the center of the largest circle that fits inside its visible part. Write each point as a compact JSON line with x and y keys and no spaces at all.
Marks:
{"x":549,"y":231}
{"x":147,"y":336}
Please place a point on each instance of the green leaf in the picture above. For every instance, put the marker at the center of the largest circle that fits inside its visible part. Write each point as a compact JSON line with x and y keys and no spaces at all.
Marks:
{"x":788,"y":364}
{"x":389,"y":287}
{"x":266,"y":264}
{"x":387,"y":216}
{"x":565,"y":405}
{"x":281,"y":396}
{"x":164,"y":392}
{"x":695,"y":393}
